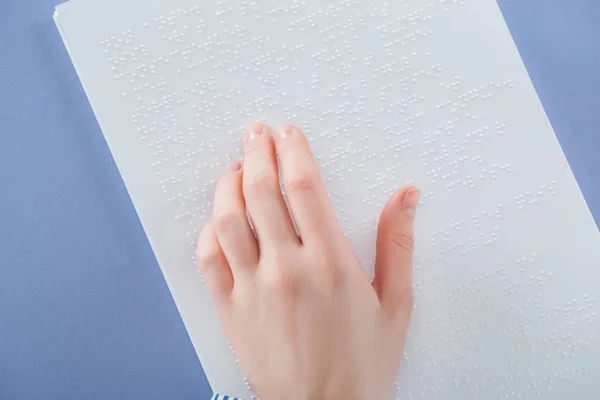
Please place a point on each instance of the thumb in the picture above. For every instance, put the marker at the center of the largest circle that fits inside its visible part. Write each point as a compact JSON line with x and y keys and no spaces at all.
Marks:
{"x":395,"y":243}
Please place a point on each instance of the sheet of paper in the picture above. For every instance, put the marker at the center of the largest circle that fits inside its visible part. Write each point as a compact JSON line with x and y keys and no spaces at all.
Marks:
{"x":429,"y":92}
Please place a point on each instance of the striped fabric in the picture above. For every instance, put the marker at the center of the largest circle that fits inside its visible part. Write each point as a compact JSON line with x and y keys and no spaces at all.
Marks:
{"x":222,"y":397}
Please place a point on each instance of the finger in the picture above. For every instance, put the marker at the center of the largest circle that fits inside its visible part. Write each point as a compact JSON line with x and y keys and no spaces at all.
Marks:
{"x":231,"y":222}
{"x":395,"y":243}
{"x":310,"y":204}
{"x":213,"y":266}
{"x":270,"y":217}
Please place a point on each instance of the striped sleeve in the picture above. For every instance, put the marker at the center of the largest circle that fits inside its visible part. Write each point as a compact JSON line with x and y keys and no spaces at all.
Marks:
{"x":223,"y":397}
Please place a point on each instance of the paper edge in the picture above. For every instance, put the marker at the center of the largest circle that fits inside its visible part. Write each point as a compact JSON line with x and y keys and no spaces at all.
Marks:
{"x":95,"y":110}
{"x":582,"y":197}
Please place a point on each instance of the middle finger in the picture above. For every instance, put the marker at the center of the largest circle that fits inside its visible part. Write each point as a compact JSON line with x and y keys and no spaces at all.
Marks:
{"x":262,"y":192}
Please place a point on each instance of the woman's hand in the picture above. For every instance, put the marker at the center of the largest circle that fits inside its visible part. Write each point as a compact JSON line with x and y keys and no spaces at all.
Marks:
{"x":301,"y":314}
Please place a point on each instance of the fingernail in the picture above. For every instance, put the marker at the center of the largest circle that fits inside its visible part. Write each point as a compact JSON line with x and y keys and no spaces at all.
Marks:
{"x":253,"y":132}
{"x":410,"y":201}
{"x":233,"y":166}
{"x":284,"y":130}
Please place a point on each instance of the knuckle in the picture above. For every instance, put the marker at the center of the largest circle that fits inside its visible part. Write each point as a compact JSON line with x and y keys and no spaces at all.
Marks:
{"x":211,"y":266}
{"x":280,"y":276}
{"x":402,"y":238}
{"x":265,"y":183}
{"x":403,"y":301}
{"x":207,"y":259}
{"x":301,"y":183}
{"x":332,"y":278}
{"x":328,"y":274}
{"x":252,"y":147}
{"x":283,"y":148}
{"x":228,"y":221}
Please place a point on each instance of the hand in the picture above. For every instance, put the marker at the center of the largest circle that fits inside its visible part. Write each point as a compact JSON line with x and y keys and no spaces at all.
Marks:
{"x":299,"y":311}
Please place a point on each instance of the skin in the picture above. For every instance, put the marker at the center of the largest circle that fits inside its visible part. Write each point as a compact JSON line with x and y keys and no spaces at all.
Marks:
{"x":303,"y":318}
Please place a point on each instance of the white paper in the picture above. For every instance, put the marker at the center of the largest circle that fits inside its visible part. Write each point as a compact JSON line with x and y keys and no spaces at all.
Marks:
{"x":433,"y":93}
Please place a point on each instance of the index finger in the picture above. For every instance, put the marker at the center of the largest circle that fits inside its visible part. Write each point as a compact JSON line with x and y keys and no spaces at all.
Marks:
{"x":307,"y":195}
